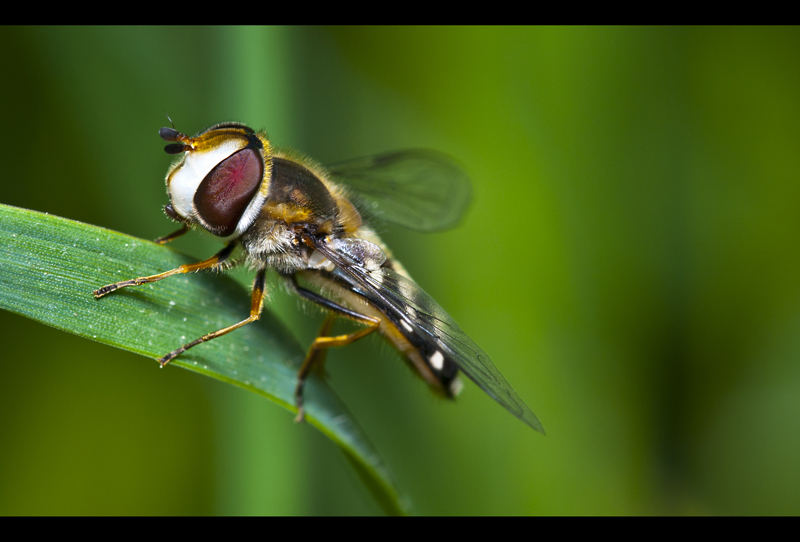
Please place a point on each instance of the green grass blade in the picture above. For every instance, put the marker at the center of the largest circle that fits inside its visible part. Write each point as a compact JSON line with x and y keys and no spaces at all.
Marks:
{"x":49,"y":267}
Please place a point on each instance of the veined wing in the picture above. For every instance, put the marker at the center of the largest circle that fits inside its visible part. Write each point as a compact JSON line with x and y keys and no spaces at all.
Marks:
{"x":420,"y":189}
{"x":419,"y":314}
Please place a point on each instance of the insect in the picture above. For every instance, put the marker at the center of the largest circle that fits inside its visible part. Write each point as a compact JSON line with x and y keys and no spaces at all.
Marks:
{"x":310,"y":224}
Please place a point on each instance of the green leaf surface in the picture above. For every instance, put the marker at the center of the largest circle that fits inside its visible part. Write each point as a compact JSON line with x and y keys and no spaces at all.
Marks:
{"x":49,"y":267}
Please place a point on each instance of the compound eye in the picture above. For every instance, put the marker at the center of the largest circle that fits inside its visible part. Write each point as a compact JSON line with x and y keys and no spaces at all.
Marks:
{"x":224,"y":194}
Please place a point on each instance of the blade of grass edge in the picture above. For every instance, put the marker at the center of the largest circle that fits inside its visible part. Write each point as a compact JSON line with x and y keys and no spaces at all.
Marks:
{"x":50,"y":265}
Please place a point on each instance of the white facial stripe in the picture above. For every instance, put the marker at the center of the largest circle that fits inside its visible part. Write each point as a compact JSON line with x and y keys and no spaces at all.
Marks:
{"x":188,"y":175}
{"x":250,"y":213}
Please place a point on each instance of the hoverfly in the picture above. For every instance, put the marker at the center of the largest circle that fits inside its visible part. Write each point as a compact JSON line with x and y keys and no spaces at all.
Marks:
{"x":307,"y":223}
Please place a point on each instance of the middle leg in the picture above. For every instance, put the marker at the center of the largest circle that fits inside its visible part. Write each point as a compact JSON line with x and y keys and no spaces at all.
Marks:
{"x":256,"y":306}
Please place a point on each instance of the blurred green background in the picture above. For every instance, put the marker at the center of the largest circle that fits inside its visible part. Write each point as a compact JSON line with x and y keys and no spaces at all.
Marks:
{"x":630,"y":261}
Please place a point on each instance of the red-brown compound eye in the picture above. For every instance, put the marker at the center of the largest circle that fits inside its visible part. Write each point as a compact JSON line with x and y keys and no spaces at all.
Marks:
{"x":224,"y":194}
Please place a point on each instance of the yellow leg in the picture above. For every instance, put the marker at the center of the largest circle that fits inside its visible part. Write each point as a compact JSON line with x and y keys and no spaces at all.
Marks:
{"x":186,"y":268}
{"x":316,"y":359}
{"x":256,"y":306}
{"x":316,"y":353}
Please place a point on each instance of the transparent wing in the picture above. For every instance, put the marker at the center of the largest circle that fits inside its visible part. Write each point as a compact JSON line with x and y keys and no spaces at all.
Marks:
{"x":419,"y":189}
{"x":394,"y":293}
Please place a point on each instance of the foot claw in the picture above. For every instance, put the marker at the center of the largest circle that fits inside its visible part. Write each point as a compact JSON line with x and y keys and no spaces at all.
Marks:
{"x":105,"y":290}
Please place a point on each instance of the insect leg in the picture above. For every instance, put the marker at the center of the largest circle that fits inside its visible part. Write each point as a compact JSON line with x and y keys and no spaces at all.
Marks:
{"x":256,"y":306}
{"x":318,"y":360}
{"x":216,"y":259}
{"x":174,"y":235}
{"x":317,"y":350}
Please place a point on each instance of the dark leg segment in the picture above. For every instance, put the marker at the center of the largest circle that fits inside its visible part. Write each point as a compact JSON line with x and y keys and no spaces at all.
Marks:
{"x":316,"y":353}
{"x":256,"y":306}
{"x":174,"y":235}
{"x":218,"y":258}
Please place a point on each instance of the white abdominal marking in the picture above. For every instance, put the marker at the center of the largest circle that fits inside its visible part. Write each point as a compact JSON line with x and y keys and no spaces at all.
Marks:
{"x":437,"y":360}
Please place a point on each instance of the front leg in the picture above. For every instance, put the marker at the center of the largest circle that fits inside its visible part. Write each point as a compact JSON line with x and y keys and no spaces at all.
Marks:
{"x":216,"y":259}
{"x":169,"y":210}
{"x":163,"y":240}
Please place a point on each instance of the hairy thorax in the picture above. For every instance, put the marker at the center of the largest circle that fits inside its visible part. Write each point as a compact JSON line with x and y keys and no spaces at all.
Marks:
{"x":274,"y":243}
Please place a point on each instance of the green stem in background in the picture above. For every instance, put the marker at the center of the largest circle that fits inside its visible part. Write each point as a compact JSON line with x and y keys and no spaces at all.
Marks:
{"x":49,"y":267}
